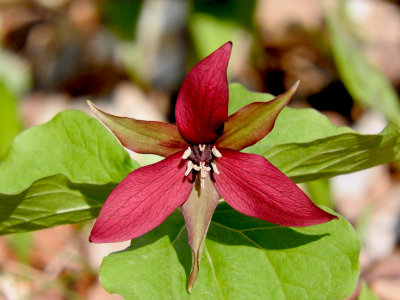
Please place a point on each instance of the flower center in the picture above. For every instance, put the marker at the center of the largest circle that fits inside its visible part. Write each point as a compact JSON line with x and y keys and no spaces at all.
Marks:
{"x":200,"y":158}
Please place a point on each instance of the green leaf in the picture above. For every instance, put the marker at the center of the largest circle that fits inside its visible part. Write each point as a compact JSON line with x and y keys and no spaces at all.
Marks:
{"x":366,"y":293}
{"x":209,"y":33}
{"x":365,"y":82}
{"x":9,"y":123}
{"x":72,"y":144}
{"x":239,"y":97}
{"x":335,"y":155}
{"x":306,"y":146}
{"x":59,"y":172}
{"x":49,"y":202}
{"x":243,"y":258}
{"x":237,"y":11}
{"x":320,"y":192}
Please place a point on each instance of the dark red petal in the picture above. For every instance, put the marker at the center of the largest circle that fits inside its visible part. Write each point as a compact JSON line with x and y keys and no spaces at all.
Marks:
{"x":202,"y":104}
{"x":142,"y":201}
{"x":253,"y":186}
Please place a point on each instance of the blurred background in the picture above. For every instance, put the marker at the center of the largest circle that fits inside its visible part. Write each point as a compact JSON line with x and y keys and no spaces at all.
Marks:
{"x":130,"y":57}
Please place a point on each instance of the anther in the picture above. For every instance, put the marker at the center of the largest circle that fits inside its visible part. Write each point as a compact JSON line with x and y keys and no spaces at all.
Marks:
{"x":187,"y":153}
{"x":215,"y":151}
{"x":214,"y":167}
{"x":202,"y":147}
{"x":190,"y":166}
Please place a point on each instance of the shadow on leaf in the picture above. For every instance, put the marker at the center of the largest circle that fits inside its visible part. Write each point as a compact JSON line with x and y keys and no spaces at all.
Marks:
{"x":228,"y":227}
{"x":51,"y":201}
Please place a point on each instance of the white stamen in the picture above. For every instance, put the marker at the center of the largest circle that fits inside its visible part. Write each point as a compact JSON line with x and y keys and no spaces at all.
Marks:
{"x":187,"y":153}
{"x":215,"y":151}
{"x":214,"y":167}
{"x":202,"y":147}
{"x":190,"y":166}
{"x":203,"y":169}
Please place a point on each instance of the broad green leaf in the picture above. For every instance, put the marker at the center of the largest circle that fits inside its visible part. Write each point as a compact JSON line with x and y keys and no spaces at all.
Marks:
{"x":335,"y":155}
{"x":243,"y":258}
{"x":72,"y":144}
{"x":50,"y":202}
{"x":320,"y":192}
{"x":59,"y":173}
{"x":9,"y":123}
{"x":306,"y":146}
{"x":365,"y":82}
{"x":366,"y":293}
{"x":209,"y":33}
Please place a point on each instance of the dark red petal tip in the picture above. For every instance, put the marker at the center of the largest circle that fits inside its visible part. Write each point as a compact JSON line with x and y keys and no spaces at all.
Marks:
{"x":253,"y":186}
{"x":202,"y":104}
{"x":142,"y":201}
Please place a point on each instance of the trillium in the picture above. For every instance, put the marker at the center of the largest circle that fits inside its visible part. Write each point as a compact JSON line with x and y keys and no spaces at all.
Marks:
{"x":202,"y":163}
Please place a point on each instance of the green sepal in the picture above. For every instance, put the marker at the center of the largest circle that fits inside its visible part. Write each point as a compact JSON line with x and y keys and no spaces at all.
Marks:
{"x":149,"y":137}
{"x":253,"y":122}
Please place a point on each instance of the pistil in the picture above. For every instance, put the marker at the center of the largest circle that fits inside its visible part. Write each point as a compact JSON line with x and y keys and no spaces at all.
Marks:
{"x":200,"y":158}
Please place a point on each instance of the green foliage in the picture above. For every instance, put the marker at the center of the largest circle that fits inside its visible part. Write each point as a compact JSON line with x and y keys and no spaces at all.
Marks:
{"x":237,"y":11}
{"x":59,"y":172}
{"x":366,"y":293}
{"x":209,"y":33}
{"x":9,"y":123}
{"x":306,"y":146}
{"x":49,"y":202}
{"x":21,"y":245}
{"x":366,"y":84}
{"x":214,"y":23}
{"x":243,"y":258}
{"x":335,"y":155}
{"x":121,"y":16}
{"x":320,"y":192}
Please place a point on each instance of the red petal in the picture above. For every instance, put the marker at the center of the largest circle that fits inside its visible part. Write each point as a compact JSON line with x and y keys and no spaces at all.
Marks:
{"x":253,"y":186}
{"x":202,"y":104}
{"x":142,"y":201}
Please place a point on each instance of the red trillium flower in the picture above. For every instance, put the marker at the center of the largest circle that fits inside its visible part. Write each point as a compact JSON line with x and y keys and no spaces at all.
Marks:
{"x":202,"y":163}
